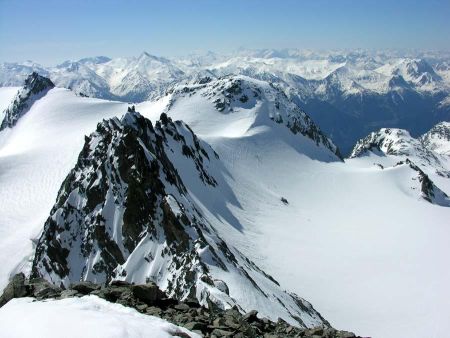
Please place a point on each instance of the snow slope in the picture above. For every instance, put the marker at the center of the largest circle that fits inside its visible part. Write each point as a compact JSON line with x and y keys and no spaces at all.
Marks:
{"x":6,"y":96}
{"x":357,"y":240}
{"x":88,"y":316}
{"x":354,"y":239}
{"x":35,"y":156}
{"x":240,"y":107}
{"x":124,"y":213}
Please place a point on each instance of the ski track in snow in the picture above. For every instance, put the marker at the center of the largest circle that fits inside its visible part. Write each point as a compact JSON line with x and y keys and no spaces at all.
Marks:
{"x":354,"y":240}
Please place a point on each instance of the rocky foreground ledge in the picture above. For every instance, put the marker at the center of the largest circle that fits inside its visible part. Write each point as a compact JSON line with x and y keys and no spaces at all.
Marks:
{"x":149,"y":299}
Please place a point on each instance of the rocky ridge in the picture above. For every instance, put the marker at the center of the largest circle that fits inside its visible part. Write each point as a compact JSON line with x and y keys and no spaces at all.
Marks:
{"x":418,"y":154}
{"x":437,"y":138}
{"x":428,"y":190}
{"x":233,"y":94}
{"x":35,"y":87}
{"x":149,"y":299}
{"x":398,"y":142}
{"x":390,"y":141}
{"x":124,"y":213}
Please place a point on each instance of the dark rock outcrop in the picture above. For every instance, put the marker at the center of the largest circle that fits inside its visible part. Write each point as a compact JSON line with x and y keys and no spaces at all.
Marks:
{"x":35,"y":87}
{"x":124,"y":214}
{"x":428,"y":190}
{"x":15,"y":289}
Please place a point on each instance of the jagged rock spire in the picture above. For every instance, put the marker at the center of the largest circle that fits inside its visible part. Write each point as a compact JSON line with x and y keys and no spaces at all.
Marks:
{"x":124,"y":213}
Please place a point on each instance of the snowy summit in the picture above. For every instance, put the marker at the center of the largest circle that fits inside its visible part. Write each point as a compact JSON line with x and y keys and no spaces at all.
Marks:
{"x":162,"y":177}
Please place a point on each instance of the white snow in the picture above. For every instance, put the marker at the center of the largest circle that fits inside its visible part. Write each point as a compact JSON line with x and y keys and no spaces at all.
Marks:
{"x":87,"y":317}
{"x":35,"y":157}
{"x":438,"y":138}
{"x":353,"y":239}
{"x":6,"y":96}
{"x":314,"y":69}
{"x":368,"y":256}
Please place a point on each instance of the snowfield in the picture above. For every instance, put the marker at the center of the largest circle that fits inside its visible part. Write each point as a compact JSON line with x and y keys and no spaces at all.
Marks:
{"x":88,"y":316}
{"x":357,"y":241}
{"x":6,"y":95}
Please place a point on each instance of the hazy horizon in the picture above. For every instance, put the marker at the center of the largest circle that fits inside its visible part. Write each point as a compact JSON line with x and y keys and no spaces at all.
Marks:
{"x":411,"y":53}
{"x":50,"y":32}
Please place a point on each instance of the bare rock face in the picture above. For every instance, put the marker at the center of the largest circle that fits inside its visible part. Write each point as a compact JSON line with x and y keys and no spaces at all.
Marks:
{"x":35,"y":87}
{"x":15,"y":289}
{"x":123,"y":214}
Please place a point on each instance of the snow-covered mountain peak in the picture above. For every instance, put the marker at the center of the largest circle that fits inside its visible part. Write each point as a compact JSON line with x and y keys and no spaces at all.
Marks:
{"x":125,"y":213}
{"x":340,"y":82}
{"x":417,"y":67}
{"x":137,"y":78}
{"x":69,"y":65}
{"x":415,"y":71}
{"x":390,"y":141}
{"x":438,"y":138}
{"x":148,"y":63}
{"x":422,"y":183}
{"x":80,"y":78}
{"x":147,"y":56}
{"x":95,"y":60}
{"x":400,"y":144}
{"x":394,"y":148}
{"x":244,"y":106}
{"x":35,"y":87}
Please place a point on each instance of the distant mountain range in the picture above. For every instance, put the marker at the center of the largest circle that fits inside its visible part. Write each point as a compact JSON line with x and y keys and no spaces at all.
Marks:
{"x":348,"y":93}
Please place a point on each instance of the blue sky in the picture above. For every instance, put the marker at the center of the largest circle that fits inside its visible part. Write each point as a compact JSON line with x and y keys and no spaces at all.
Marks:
{"x":52,"y":31}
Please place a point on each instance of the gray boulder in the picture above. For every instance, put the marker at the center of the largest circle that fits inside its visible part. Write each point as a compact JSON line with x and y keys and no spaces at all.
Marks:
{"x":15,"y":289}
{"x":85,"y":287}
{"x":148,"y":293}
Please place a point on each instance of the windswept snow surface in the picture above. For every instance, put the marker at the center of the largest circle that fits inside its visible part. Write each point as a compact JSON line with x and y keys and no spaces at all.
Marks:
{"x":354,"y":239}
{"x":87,"y":317}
